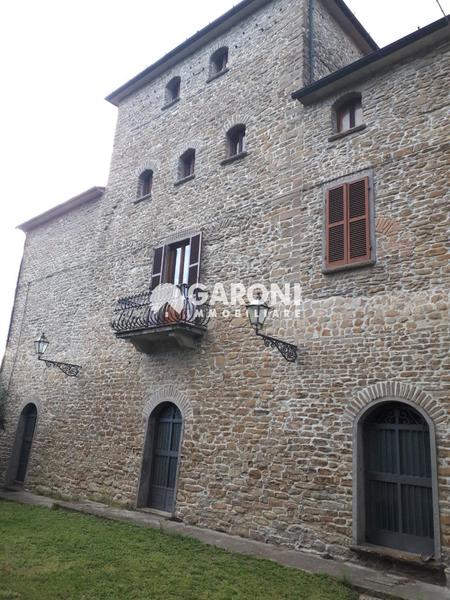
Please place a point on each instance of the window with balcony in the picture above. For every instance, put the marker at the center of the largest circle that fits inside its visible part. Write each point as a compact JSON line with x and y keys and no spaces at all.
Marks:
{"x":166,"y":315}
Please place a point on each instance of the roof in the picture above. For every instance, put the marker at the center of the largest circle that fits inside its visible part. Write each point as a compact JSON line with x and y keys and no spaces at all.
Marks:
{"x":90,"y":195}
{"x":408,"y":46}
{"x":337,"y":8}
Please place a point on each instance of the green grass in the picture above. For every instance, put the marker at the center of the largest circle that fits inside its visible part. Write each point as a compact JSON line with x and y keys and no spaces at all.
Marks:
{"x":53,"y":554}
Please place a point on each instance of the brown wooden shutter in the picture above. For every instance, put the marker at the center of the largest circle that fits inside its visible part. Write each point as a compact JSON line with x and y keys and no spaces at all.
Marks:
{"x":158,"y":266}
{"x":348,"y":224}
{"x":194,"y":260}
{"x":336,"y":251}
{"x":358,"y":232}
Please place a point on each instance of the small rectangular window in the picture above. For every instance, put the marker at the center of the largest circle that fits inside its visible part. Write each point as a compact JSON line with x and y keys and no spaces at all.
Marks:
{"x":219,"y":61}
{"x":187,"y":164}
{"x":173,"y":90}
{"x":349,"y":115}
{"x":236,"y":140}
{"x":145,"y":183}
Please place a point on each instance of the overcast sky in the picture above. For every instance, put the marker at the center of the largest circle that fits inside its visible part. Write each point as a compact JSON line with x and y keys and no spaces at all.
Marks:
{"x":60,"y":59}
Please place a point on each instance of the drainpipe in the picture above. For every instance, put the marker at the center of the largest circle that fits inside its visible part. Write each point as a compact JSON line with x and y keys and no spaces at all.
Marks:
{"x":311,"y":39}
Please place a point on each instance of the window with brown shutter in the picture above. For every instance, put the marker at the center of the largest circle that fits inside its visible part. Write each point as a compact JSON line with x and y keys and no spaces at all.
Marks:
{"x":158,"y":266}
{"x":177,"y":263}
{"x":348,"y":234}
{"x":194,"y":259}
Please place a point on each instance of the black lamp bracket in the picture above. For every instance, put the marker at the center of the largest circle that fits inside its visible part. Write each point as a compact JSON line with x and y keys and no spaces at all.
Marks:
{"x":67,"y":368}
{"x":288,"y":351}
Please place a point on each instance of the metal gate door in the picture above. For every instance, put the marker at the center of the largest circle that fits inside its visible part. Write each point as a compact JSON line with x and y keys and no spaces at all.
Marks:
{"x":29,"y":422}
{"x":399,"y":499}
{"x":166,"y":452}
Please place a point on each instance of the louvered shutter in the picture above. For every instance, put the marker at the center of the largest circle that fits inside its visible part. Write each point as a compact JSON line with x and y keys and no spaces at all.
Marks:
{"x":358,"y":232}
{"x":336,"y":254}
{"x":158,"y":266}
{"x":194,"y":260}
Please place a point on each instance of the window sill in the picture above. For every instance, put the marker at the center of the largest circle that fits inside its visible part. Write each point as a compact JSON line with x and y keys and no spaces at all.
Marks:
{"x":234,"y":158}
{"x":171,"y":103}
{"x":217,"y":75}
{"x":142,"y":199}
{"x":184,"y":180}
{"x":342,"y":134}
{"x":365,"y":263}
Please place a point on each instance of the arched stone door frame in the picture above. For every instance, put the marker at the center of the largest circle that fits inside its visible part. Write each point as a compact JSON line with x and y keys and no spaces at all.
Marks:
{"x":163,"y":396}
{"x":367,"y":401}
{"x":10,"y":479}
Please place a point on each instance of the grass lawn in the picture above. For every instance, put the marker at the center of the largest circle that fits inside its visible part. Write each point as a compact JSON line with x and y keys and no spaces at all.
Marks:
{"x":47,"y":554}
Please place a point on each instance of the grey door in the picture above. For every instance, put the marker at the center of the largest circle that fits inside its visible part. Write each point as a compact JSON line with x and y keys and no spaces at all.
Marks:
{"x":28,"y":425}
{"x":166,"y":452}
{"x":399,"y":499}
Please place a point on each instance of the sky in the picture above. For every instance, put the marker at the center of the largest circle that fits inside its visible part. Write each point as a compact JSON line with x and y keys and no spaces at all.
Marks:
{"x":58,"y":62}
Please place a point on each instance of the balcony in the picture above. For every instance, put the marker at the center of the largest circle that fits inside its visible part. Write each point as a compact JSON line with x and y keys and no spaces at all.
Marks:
{"x":151,"y":324}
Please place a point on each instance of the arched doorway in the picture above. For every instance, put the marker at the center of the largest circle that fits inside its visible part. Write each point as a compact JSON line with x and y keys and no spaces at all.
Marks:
{"x":27,"y":425}
{"x":161,"y":458}
{"x":398,"y":486}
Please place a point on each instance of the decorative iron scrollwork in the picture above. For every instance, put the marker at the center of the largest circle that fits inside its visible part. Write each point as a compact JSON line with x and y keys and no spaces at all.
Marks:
{"x":139,"y":312}
{"x":67,"y":368}
{"x":288,"y":351}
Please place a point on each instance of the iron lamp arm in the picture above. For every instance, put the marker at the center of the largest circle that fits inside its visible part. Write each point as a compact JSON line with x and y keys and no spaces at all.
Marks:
{"x":67,"y":368}
{"x":288,"y":351}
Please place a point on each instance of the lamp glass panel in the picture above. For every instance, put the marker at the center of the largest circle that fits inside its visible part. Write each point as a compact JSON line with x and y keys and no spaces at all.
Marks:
{"x":263,"y":312}
{"x":252,"y":310}
{"x":41,"y":344}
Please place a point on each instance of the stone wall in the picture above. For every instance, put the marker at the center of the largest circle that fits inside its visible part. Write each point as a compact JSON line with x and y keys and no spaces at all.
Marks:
{"x":268,"y":446}
{"x":331,"y":50}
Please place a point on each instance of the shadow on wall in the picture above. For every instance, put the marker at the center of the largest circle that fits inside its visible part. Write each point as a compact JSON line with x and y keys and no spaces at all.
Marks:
{"x":3,"y":401}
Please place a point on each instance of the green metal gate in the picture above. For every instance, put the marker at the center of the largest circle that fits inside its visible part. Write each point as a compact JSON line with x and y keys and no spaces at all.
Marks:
{"x":399,"y":498}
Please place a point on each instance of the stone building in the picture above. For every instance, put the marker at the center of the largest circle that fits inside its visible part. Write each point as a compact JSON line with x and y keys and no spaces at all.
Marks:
{"x":223,"y":174}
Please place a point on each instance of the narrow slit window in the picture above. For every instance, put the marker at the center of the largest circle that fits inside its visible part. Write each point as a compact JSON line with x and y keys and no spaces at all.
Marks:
{"x":173,"y":89}
{"x":236,"y":140}
{"x":219,"y":61}
{"x":187,"y":164}
{"x":145,"y":183}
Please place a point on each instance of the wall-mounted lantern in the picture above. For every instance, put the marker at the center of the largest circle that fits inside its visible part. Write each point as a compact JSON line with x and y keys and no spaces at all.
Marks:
{"x":68,"y":369}
{"x":257,"y":313}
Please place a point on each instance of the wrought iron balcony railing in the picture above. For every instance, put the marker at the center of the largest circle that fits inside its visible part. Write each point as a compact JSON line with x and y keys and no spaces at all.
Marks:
{"x":141,"y":314}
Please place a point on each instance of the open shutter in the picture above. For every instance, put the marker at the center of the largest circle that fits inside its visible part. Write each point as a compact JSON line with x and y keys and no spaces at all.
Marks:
{"x":358,"y":236}
{"x":158,"y":266}
{"x":194,"y":260}
{"x":336,"y":231}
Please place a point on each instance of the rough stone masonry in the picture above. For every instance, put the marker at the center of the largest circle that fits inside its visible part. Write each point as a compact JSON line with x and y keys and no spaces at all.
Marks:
{"x":269,"y":449}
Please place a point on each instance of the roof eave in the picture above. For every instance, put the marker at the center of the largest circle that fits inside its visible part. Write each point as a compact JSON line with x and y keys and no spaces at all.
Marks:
{"x":89,"y":195}
{"x":337,"y":8}
{"x":373,"y":63}
{"x":351,"y":25}
{"x":210,"y":32}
